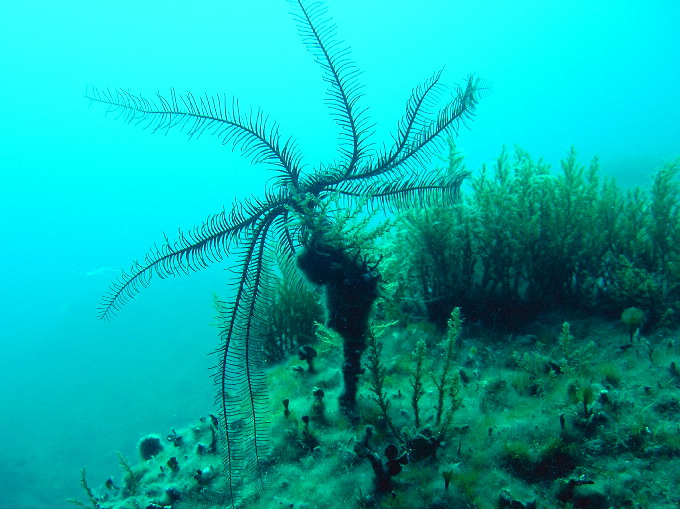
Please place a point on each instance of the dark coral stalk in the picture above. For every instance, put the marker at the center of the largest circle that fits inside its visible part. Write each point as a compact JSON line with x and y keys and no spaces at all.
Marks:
{"x":351,"y":288}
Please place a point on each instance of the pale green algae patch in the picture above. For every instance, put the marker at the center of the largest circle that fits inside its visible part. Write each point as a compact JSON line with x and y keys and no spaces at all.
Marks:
{"x":545,"y":417}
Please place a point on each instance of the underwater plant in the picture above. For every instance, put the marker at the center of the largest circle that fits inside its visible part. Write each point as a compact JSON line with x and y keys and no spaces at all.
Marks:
{"x":296,"y":217}
{"x":634,"y":318}
{"x":293,"y":313}
{"x":523,"y":240}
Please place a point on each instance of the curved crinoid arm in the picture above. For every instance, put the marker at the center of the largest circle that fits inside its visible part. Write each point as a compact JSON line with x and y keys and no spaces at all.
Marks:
{"x":424,"y":127}
{"x":426,"y":188}
{"x":193,"y":250}
{"x":242,"y":392}
{"x":252,"y":133}
{"x":341,"y":74}
{"x":419,"y":110}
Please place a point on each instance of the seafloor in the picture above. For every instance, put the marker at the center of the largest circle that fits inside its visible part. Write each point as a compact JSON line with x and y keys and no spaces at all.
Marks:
{"x":555,"y":416}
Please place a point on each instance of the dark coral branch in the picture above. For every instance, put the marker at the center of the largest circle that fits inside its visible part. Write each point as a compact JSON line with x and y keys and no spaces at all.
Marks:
{"x":351,"y":288}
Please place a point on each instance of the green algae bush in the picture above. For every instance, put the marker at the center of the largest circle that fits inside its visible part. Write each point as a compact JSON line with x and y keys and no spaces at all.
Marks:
{"x":525,"y":240}
{"x":292,"y":313}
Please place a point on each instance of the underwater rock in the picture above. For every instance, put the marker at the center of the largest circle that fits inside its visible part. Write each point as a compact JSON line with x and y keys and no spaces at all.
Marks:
{"x":505,"y":501}
{"x":307,"y":353}
{"x":177,"y":440}
{"x":422,"y":446}
{"x":173,"y":464}
{"x":585,"y":497}
{"x":150,"y":446}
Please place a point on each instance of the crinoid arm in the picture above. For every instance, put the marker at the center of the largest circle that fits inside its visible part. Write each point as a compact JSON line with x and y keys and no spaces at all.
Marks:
{"x":399,"y":173}
{"x":194,"y":250}
{"x":239,"y":376}
{"x":424,"y":129}
{"x":344,"y":89}
{"x":425,"y":189}
{"x":252,"y":133}
{"x":399,"y":178}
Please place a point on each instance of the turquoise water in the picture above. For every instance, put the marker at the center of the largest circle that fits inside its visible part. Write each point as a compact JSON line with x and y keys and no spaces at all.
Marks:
{"x":82,"y":194}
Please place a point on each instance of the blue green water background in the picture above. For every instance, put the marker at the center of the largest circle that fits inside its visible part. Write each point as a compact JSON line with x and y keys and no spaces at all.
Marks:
{"x":82,"y":195}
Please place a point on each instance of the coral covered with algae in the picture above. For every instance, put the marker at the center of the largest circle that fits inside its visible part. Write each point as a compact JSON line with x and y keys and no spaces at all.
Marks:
{"x":532,"y":421}
{"x":573,"y":404}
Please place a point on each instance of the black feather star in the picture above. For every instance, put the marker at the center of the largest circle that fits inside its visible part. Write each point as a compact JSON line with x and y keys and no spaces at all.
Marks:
{"x":293,"y":218}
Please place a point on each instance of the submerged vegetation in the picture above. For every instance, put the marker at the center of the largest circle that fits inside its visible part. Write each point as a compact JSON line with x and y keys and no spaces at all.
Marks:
{"x":516,"y":347}
{"x":301,"y":217}
{"x":574,"y":404}
{"x":525,"y":240}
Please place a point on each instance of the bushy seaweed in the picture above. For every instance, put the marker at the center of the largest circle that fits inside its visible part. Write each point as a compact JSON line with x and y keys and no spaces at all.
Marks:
{"x":293,"y":311}
{"x":525,"y":240}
